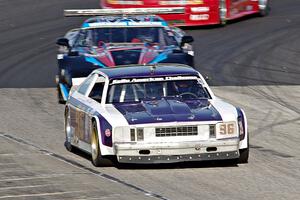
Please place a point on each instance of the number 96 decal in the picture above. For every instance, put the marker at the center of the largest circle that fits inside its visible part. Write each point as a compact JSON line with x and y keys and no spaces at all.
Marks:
{"x":226,"y":130}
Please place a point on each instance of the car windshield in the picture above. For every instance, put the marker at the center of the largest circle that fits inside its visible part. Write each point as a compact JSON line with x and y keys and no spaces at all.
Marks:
{"x":100,"y":36}
{"x":135,"y":92}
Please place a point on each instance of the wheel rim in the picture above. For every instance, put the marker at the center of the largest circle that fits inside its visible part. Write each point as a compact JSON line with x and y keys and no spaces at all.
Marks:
{"x":94,"y":144}
{"x":263,"y":4}
{"x":222,"y":11}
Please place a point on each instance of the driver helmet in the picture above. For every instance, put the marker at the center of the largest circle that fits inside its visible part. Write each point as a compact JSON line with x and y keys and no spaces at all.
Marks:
{"x":183,"y":86}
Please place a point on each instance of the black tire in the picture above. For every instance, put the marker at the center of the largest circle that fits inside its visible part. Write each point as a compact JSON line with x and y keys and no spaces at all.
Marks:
{"x":60,"y":98}
{"x":223,"y":20}
{"x":266,"y":11}
{"x":223,"y":23}
{"x":244,"y":153}
{"x":68,"y":144}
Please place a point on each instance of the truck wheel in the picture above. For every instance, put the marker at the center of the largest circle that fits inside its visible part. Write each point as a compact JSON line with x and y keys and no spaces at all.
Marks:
{"x":266,"y":10}
{"x":223,"y":12}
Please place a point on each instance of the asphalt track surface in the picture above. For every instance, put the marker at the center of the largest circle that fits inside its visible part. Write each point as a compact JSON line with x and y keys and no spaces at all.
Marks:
{"x":253,"y":63}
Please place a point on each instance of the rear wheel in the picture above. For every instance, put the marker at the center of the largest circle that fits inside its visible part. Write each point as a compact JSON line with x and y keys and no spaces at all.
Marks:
{"x":223,"y":12}
{"x":244,"y":154}
{"x":68,"y":131}
{"x":264,"y":8}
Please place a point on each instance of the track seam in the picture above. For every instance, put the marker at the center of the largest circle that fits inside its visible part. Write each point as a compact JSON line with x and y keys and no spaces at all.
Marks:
{"x":82,"y":167}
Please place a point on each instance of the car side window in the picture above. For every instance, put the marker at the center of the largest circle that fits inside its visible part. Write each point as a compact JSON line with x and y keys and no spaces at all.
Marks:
{"x":84,"y":39}
{"x":97,"y":91}
{"x":170,"y":38}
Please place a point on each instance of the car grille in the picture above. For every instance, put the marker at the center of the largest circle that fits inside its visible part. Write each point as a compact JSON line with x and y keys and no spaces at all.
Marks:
{"x":176,"y":131}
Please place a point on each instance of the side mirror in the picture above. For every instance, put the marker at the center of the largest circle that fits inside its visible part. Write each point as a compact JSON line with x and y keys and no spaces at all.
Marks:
{"x":63,"y":42}
{"x":208,"y":79}
{"x":186,"y":39}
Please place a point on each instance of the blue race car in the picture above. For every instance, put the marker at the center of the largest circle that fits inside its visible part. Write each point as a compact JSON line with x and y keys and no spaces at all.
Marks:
{"x":108,"y":41}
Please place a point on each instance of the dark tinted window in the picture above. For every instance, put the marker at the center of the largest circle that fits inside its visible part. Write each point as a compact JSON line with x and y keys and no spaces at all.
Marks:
{"x":100,"y":36}
{"x":97,"y":91}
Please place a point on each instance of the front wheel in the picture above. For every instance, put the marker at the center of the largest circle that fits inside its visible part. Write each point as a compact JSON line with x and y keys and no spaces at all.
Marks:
{"x":97,"y":158}
{"x":60,"y":97}
{"x":68,"y":132}
{"x":244,"y":155}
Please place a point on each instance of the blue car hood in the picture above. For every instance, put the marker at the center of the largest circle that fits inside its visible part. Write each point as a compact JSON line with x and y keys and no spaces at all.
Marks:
{"x":168,"y":110}
{"x":126,"y":55}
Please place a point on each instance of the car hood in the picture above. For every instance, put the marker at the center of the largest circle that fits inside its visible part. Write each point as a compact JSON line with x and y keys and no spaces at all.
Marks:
{"x":168,"y":110}
{"x":108,"y":56}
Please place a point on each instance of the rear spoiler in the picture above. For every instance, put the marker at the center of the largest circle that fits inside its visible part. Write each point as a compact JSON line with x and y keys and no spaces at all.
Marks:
{"x":125,"y":11}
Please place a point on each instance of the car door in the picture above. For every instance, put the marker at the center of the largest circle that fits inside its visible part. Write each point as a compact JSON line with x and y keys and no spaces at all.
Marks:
{"x":79,"y":110}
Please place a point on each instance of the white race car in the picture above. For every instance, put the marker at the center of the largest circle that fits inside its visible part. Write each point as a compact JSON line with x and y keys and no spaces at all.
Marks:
{"x":160,"y":113}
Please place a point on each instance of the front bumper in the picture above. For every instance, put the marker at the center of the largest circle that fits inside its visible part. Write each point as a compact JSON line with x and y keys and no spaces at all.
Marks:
{"x":176,"y":152}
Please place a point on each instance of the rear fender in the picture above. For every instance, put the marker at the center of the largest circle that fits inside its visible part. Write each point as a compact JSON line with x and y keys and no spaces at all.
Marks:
{"x":244,"y":141}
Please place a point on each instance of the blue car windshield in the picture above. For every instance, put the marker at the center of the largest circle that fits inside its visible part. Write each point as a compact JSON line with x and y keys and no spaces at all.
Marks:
{"x":100,"y":36}
{"x":136,"y":92}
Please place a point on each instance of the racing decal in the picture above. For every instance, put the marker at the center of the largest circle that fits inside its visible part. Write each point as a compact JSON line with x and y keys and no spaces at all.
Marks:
{"x":168,"y":110}
{"x":80,"y":122}
{"x":87,"y":126}
{"x":105,"y":129}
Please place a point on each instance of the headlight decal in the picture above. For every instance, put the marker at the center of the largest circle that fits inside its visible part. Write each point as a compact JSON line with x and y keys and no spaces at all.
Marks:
{"x":105,"y":131}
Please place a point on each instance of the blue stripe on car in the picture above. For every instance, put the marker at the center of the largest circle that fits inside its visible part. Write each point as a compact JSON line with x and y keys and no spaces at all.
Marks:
{"x":159,"y":58}
{"x":94,"y":61}
{"x":85,"y":25}
{"x":64,"y":91}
